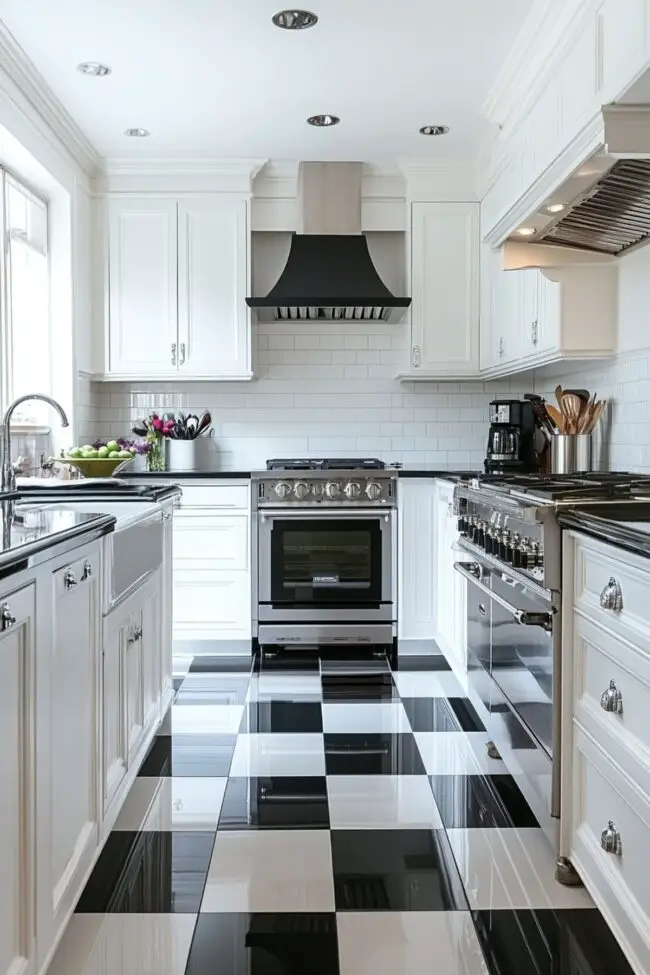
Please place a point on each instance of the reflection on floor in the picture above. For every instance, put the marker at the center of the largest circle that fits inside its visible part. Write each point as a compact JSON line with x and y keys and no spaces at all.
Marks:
{"x":334,"y":818}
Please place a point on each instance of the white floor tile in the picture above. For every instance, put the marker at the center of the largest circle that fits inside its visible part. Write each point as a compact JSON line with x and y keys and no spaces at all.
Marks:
{"x":206,"y":719}
{"x":259,"y":755}
{"x":285,"y":688}
{"x":409,"y":943}
{"x":114,"y":944}
{"x":172,"y":803}
{"x":381,"y":802}
{"x":362,"y":717}
{"x":511,"y":868}
{"x":428,"y":684}
{"x":457,"y":753}
{"x":269,"y":871}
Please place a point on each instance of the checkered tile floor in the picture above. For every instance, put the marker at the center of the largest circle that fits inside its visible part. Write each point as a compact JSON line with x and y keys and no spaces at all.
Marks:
{"x":336,"y":819}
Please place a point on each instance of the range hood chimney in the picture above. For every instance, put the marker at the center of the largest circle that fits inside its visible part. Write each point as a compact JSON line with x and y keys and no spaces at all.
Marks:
{"x":329,"y":274}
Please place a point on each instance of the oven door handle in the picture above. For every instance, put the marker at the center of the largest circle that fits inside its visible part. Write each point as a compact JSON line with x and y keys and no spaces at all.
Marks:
{"x":357,"y":513}
{"x":472,"y":572}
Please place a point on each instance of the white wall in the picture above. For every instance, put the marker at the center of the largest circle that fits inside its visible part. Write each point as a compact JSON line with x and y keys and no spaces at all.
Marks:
{"x":320,"y":389}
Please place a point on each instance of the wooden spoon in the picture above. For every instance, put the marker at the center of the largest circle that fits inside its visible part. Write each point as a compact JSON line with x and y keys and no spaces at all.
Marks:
{"x":556,"y":417}
{"x":596,"y":414}
{"x":559,"y":392}
{"x":571,"y":407}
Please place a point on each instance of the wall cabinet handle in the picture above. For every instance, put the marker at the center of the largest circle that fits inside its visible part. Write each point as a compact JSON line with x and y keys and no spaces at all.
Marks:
{"x":611,"y":598}
{"x":69,"y":579}
{"x":136,"y":634}
{"x":173,"y":353}
{"x":610,"y":840}
{"x":182,"y":362}
{"x":416,"y":356}
{"x":533,"y":332}
{"x":87,"y":572}
{"x":7,"y":620}
{"x":611,"y":700}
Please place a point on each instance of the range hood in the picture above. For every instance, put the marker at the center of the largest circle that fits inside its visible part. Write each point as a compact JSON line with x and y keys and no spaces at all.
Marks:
{"x":329,"y":274}
{"x":607,"y":199}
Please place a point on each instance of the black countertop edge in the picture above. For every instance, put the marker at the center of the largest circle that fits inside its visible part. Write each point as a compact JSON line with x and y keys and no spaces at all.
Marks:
{"x":442,"y":473}
{"x":439,"y":472}
{"x":43,"y":549}
{"x":607,"y":530}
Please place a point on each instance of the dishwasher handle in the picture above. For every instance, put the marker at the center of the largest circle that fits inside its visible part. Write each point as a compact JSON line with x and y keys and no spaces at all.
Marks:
{"x":472,"y":572}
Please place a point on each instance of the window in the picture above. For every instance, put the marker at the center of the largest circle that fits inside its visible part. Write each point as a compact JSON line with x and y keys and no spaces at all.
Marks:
{"x":25,"y":308}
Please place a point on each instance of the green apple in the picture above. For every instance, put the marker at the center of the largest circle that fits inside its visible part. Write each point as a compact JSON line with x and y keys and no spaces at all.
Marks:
{"x":114,"y":454}
{"x":75,"y":452}
{"x":103,"y":452}
{"x":132,"y":451}
{"x":113,"y":445}
{"x":87,"y":446}
{"x":126,"y":454}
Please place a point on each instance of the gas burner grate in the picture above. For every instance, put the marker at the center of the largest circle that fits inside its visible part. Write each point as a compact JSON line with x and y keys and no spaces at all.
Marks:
{"x":325,"y":464}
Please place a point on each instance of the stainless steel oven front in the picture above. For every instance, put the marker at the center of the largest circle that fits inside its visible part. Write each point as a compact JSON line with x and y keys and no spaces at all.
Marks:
{"x":326,"y":575}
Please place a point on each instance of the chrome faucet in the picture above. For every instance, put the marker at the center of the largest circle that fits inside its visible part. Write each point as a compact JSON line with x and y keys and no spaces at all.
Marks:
{"x":8,"y":472}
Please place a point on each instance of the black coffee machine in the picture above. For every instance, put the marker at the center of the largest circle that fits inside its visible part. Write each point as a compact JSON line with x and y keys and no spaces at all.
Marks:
{"x":511,"y":440}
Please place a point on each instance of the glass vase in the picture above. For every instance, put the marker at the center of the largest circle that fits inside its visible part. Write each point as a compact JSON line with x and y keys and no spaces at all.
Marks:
{"x":156,"y":456}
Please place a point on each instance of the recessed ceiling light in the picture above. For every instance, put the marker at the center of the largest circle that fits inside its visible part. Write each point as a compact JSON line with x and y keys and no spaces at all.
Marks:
{"x":555,"y":207}
{"x":94,"y":68}
{"x":294,"y":19}
{"x":137,"y":133}
{"x":526,"y":231}
{"x":322,"y":121}
{"x":434,"y":130}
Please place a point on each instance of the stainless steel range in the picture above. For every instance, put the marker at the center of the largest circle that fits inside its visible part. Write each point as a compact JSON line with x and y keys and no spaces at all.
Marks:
{"x":325,"y":552}
{"x":509,"y":531}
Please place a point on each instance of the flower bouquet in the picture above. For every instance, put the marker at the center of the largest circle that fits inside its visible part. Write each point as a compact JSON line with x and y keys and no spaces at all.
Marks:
{"x":154,"y":430}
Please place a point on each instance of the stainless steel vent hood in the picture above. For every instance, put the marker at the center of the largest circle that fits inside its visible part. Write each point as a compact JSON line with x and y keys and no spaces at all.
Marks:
{"x":604,"y":207}
{"x":329,"y":274}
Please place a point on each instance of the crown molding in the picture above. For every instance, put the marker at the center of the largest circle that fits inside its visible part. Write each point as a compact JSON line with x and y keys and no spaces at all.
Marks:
{"x":180,"y":166}
{"x":23,"y":74}
{"x":428,"y":179}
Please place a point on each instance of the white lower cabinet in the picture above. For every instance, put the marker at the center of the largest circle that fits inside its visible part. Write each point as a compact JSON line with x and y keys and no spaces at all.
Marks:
{"x":17,"y":778}
{"x":69,"y":734}
{"x":450,"y":593}
{"x":114,"y":750}
{"x":416,"y":579}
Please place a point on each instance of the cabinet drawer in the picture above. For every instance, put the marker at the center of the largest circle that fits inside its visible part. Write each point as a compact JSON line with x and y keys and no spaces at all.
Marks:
{"x":214,"y":496}
{"x":619,"y":882}
{"x":207,"y":542}
{"x":220,"y":598}
{"x":596,"y":564}
{"x":599,"y":658}
{"x":76,"y":573}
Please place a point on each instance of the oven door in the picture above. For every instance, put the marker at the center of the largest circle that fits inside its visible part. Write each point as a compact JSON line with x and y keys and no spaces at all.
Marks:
{"x":330,"y":565}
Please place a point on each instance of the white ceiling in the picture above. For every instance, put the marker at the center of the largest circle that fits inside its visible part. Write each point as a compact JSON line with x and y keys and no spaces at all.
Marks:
{"x":216,"y":78}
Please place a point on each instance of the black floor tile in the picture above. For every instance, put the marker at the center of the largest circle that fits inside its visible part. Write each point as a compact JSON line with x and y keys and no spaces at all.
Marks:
{"x":395,"y":870}
{"x":298,"y":662}
{"x":282,"y":717}
{"x":222,"y":663}
{"x":357,"y":688}
{"x":341,"y":662}
{"x":421,"y":661}
{"x":280,"y":802}
{"x":476,"y":801}
{"x":210,"y":689}
{"x":189,"y":755}
{"x":264,"y":944}
{"x":442,"y":714}
{"x":372,"y":754}
{"x":149,"y":873}
{"x":548,"y":942}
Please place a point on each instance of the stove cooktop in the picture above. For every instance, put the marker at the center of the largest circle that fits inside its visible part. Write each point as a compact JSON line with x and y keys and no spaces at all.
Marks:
{"x":325,"y":464}
{"x":595,"y":485}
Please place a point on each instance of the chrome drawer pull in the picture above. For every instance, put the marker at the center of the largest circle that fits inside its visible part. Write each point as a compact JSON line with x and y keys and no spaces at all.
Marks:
{"x":472,"y":572}
{"x":6,"y":618}
{"x":612,"y":700}
{"x":611,"y":597}
{"x":87,"y":572}
{"x":610,"y":840}
{"x":69,"y":579}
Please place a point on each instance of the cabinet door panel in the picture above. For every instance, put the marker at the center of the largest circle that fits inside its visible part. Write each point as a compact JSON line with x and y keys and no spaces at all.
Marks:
{"x":134,"y":704}
{"x":212,"y":280}
{"x":549,"y":311}
{"x":151,"y":619}
{"x":416,"y":559}
{"x":622,"y":35}
{"x":17,"y":795}
{"x":212,"y":603}
{"x":212,"y":542}
{"x":143,"y":287}
{"x":113,"y":730}
{"x":445,"y":286}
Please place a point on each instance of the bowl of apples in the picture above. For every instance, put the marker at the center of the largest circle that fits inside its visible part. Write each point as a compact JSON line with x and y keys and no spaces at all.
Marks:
{"x":99,"y":461}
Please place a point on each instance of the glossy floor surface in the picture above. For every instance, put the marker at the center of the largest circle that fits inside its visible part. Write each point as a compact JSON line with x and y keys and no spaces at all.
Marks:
{"x":335,"y":818}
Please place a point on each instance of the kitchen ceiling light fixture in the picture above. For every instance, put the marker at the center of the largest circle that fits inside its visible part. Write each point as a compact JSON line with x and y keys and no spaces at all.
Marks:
{"x":294,"y":19}
{"x":94,"y":68}
{"x":526,"y":231}
{"x":555,"y":208}
{"x":323,"y":121}
{"x":434,"y":130}
{"x":137,"y":133}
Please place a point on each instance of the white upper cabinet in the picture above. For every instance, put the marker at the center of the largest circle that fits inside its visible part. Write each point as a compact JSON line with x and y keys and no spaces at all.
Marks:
{"x":213,"y":318}
{"x":178,"y":277}
{"x":445,"y":290}
{"x":142,"y":334}
{"x":621,"y":40}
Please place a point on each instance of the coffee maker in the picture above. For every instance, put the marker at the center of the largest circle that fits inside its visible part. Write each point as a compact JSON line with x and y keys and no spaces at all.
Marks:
{"x":511,"y":440}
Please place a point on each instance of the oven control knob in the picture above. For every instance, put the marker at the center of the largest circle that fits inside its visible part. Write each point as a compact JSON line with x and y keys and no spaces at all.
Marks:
{"x":317,"y":489}
{"x":332,"y":489}
{"x":352,"y":490}
{"x":283,"y":489}
{"x":301,"y":489}
{"x":374,"y":490}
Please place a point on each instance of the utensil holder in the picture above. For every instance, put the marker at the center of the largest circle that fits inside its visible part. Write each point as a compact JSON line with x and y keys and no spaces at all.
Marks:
{"x":571,"y":453}
{"x":192,"y":455}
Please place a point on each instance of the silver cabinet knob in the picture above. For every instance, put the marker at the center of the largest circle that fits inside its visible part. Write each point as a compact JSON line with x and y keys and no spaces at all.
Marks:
{"x":611,"y":597}
{"x":87,"y":572}
{"x":173,"y":353}
{"x":7,"y":620}
{"x":610,"y":840}
{"x":136,"y":634}
{"x":69,"y":579}
{"x":612,"y":700}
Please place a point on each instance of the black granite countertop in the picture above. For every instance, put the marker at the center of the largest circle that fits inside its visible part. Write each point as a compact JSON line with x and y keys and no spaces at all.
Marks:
{"x":624,"y":525}
{"x":185,"y":475}
{"x":437,"y":470}
{"x":86,"y":490}
{"x":29,"y":532}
